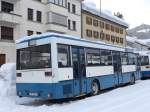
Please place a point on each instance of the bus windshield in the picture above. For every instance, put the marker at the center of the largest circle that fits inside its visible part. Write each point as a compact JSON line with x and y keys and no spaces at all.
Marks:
{"x":36,"y":57}
{"x":144,"y":60}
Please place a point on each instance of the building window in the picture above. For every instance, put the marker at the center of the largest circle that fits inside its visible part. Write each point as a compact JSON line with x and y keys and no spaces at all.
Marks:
{"x":95,"y":22}
{"x":57,"y":19}
{"x":68,"y":6}
{"x":29,"y":32}
{"x":62,"y":3}
{"x":30,"y":14}
{"x":102,"y":36}
{"x":96,"y":34}
{"x":121,"y":40}
{"x":69,"y":24}
{"x":39,"y":16}
{"x":73,"y":8}
{"x":7,"y":7}
{"x":38,"y":33}
{"x":113,"y":39}
{"x":74,"y":25}
{"x":101,"y":24}
{"x":107,"y":26}
{"x":107,"y":37}
{"x":112,"y":28}
{"x":117,"y":39}
{"x":6,"y":33}
{"x":121,"y":31}
{"x":89,"y":33}
{"x":117,"y":30}
{"x":63,"y":56}
{"x":89,"y":20}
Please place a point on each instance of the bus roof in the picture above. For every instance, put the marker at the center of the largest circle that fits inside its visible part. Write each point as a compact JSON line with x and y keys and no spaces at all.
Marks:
{"x":64,"y":36}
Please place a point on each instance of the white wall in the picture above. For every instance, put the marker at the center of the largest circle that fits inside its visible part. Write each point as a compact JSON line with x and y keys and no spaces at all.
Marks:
{"x":20,"y":30}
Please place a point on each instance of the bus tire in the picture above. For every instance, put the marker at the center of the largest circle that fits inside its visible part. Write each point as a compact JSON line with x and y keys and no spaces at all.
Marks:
{"x":132,"y":80}
{"x":95,"y":87}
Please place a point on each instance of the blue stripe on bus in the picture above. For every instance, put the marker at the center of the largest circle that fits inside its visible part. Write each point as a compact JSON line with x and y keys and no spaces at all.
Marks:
{"x":42,"y":37}
{"x":71,"y":88}
{"x":145,"y":74}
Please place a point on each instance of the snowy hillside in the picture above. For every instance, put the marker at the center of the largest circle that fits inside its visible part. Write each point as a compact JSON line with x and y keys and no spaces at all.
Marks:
{"x":141,"y":32}
{"x":135,"y":98}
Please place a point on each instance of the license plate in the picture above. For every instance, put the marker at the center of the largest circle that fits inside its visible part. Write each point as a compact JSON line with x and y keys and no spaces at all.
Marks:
{"x":33,"y":94}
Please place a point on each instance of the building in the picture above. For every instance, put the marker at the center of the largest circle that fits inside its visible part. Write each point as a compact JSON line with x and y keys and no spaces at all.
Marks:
{"x":137,"y":44}
{"x":20,"y":18}
{"x":102,"y":26}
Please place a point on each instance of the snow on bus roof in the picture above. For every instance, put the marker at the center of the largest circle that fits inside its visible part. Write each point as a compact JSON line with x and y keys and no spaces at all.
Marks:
{"x":91,"y":7}
{"x":50,"y":34}
{"x":43,"y":35}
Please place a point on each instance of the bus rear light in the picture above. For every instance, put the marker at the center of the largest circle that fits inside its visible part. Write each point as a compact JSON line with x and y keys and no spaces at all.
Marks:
{"x":49,"y":95}
{"x":48,"y":74}
{"x":19,"y":75}
{"x":147,"y":66}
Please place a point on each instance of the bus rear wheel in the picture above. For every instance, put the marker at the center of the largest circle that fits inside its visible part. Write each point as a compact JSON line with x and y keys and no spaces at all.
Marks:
{"x":95,"y":88}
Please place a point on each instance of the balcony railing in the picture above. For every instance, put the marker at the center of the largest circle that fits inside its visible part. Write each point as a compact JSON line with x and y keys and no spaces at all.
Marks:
{"x":10,"y":18}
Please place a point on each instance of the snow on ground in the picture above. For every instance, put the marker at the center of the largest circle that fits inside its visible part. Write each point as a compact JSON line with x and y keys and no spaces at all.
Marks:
{"x":133,"y":98}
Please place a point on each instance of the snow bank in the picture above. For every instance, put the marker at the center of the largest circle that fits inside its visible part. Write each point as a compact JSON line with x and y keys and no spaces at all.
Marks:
{"x":7,"y":79}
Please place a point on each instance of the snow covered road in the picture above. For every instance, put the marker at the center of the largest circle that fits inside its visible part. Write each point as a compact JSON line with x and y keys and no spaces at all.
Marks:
{"x":135,"y":98}
{"x":131,"y":98}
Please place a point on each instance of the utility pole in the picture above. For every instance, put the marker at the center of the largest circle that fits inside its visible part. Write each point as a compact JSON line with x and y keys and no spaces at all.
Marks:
{"x":100,"y":7}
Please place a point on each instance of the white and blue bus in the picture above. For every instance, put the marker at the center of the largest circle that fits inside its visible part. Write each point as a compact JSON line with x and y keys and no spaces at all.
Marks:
{"x":54,"y":66}
{"x":145,"y":65}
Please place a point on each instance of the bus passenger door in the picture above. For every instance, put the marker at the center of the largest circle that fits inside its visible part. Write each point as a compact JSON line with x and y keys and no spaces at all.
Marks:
{"x":117,"y":68}
{"x":79,"y":70}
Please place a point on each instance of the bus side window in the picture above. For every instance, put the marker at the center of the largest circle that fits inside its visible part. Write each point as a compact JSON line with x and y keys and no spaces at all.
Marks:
{"x":93,"y":57}
{"x":63,"y":56}
{"x":124,"y":58}
{"x":106,"y":57}
{"x":131,"y":59}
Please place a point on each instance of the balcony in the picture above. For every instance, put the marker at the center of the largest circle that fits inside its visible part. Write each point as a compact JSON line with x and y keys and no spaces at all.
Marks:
{"x":57,"y":9}
{"x":56,"y":28}
{"x":10,"y":18}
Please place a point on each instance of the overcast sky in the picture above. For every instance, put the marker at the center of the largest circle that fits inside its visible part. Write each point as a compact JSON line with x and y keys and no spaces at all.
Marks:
{"x":135,"y":12}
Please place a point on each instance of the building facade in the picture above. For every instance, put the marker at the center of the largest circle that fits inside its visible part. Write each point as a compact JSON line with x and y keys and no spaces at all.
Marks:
{"x":20,"y":18}
{"x":101,"y":26}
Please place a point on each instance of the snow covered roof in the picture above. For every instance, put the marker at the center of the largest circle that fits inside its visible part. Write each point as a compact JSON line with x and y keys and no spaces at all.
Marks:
{"x":136,"y":40}
{"x":91,"y":7}
{"x":145,"y":53}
